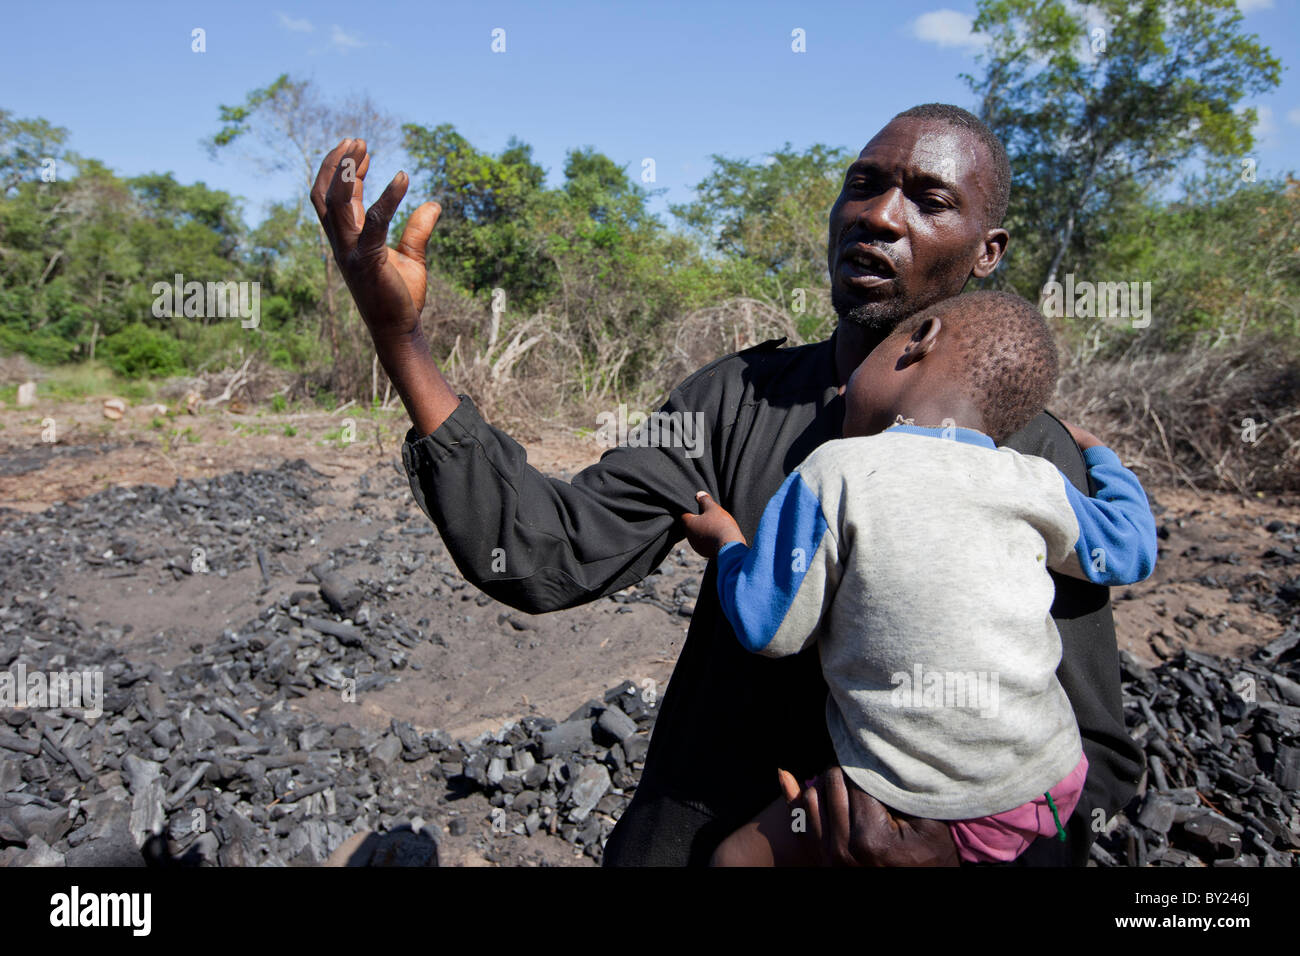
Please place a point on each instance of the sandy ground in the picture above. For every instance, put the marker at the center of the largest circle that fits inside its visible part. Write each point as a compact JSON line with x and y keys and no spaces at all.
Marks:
{"x":488,"y":672}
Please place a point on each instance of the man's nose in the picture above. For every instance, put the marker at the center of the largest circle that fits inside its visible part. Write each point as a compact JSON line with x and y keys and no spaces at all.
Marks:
{"x":882,"y":214}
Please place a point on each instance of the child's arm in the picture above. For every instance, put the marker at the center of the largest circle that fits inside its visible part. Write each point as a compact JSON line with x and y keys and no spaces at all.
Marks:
{"x":1117,"y":532}
{"x":776,"y":592}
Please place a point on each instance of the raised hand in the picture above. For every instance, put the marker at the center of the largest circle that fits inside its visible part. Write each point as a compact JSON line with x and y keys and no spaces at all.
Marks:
{"x":387,"y":284}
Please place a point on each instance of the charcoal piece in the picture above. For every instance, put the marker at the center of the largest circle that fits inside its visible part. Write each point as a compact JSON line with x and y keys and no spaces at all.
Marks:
{"x":411,"y":741}
{"x":1157,"y":814}
{"x":1280,"y":646}
{"x":496,"y":771}
{"x":1286,"y":766}
{"x":196,"y":729}
{"x":615,"y":695}
{"x":437,"y":741}
{"x":385,"y":754}
{"x":147,"y":816}
{"x":521,"y":760}
{"x":1214,"y":834}
{"x":345,"y":634}
{"x":346,"y":738}
{"x":68,"y":755}
{"x":341,"y":593}
{"x":568,"y":737}
{"x":591,"y":784}
{"x":535,"y":776}
{"x":458,"y":826}
{"x":636,"y":747}
{"x":32,"y":820}
{"x":188,"y":784}
{"x":476,"y":769}
{"x":1157,"y":768}
{"x":615,"y":725}
{"x":1288,"y":688}
{"x":39,"y":853}
{"x":19,"y":744}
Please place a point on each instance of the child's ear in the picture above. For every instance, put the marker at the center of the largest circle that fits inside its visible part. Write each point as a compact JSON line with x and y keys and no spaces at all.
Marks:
{"x":922,"y":341}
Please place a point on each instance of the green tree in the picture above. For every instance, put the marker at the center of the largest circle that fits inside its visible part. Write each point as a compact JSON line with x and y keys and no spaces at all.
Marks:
{"x":766,"y":221}
{"x":1100,"y":102}
{"x":293,"y":127}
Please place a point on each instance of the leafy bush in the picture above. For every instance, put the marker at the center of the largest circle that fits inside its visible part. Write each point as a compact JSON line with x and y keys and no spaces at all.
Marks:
{"x":139,"y":351}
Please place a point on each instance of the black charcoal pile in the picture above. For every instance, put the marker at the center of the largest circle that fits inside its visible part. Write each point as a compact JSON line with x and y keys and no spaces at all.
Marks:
{"x":206,"y":762}
{"x":208,"y":755}
{"x":1222,"y":744}
{"x":571,"y":778}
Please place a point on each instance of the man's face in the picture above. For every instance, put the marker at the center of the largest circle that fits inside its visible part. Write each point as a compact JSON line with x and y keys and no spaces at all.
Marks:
{"x":908,"y":227}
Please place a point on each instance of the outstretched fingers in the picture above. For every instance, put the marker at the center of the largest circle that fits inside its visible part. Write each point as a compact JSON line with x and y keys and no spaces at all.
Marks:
{"x":343,"y":208}
{"x":324,"y":177}
{"x":374,"y":234}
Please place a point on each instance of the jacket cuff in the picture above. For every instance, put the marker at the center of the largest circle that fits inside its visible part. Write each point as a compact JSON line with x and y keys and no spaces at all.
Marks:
{"x":454,"y":433}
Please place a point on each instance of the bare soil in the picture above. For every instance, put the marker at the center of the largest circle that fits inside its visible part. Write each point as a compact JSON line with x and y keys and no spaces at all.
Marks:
{"x":1213,"y":572}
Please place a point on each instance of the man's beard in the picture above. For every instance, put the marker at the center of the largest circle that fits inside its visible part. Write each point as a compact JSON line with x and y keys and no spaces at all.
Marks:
{"x":879,"y":318}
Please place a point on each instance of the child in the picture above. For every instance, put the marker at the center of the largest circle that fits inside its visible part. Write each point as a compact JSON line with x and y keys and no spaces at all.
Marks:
{"x":916,"y":554}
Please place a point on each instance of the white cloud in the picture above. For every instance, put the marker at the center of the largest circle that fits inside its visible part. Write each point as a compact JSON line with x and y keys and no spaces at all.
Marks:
{"x":344,"y":41}
{"x":1293,"y":116}
{"x":297,"y":26}
{"x":1246,"y":6}
{"x":947,"y":28}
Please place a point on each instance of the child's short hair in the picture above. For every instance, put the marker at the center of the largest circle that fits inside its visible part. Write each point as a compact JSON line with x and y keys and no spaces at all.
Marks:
{"x":1008,"y":351}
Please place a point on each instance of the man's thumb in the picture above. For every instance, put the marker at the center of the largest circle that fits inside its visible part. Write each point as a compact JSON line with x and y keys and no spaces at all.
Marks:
{"x":418,"y":229}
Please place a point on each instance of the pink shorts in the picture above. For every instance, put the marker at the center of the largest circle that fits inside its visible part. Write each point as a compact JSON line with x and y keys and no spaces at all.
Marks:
{"x":1004,"y":836}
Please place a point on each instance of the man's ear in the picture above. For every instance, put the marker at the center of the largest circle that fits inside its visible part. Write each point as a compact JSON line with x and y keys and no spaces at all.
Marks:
{"x":995,"y":247}
{"x":921,"y":342}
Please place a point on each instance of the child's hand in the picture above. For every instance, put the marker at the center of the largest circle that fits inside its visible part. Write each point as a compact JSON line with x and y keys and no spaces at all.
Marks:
{"x":1084,"y":439}
{"x":711,"y":529}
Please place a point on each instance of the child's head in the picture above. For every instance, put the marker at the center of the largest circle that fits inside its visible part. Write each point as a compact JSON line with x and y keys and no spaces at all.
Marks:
{"x":984,"y":360}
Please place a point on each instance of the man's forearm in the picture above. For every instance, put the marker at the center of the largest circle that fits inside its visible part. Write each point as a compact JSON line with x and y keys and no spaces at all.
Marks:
{"x":428,"y":398}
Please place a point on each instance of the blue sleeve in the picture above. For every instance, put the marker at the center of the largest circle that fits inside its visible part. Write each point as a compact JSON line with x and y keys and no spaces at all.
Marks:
{"x":759,"y":585}
{"x":1117,"y":532}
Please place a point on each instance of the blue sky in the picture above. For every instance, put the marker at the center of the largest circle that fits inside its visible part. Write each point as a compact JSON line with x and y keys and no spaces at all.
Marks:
{"x":673,"y":81}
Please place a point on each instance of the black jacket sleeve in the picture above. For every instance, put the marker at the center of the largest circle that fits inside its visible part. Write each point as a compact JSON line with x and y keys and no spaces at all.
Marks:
{"x":542,"y":544}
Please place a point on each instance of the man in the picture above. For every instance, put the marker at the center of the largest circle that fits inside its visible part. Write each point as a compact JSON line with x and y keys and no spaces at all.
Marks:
{"x":918,"y":216}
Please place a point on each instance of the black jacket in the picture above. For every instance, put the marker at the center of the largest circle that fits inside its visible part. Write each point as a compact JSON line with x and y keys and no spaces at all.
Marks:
{"x":728,"y":718}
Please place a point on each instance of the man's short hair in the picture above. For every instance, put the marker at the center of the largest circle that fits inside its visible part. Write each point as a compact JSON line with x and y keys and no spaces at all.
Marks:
{"x":956,"y":116}
{"x":1008,"y":354}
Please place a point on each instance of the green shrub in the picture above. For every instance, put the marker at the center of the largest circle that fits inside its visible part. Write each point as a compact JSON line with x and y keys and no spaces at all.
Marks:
{"x":139,"y":351}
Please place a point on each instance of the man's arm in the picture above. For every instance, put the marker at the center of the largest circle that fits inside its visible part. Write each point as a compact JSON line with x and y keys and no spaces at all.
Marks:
{"x":541,"y":544}
{"x":533,"y":542}
{"x":388,"y":285}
